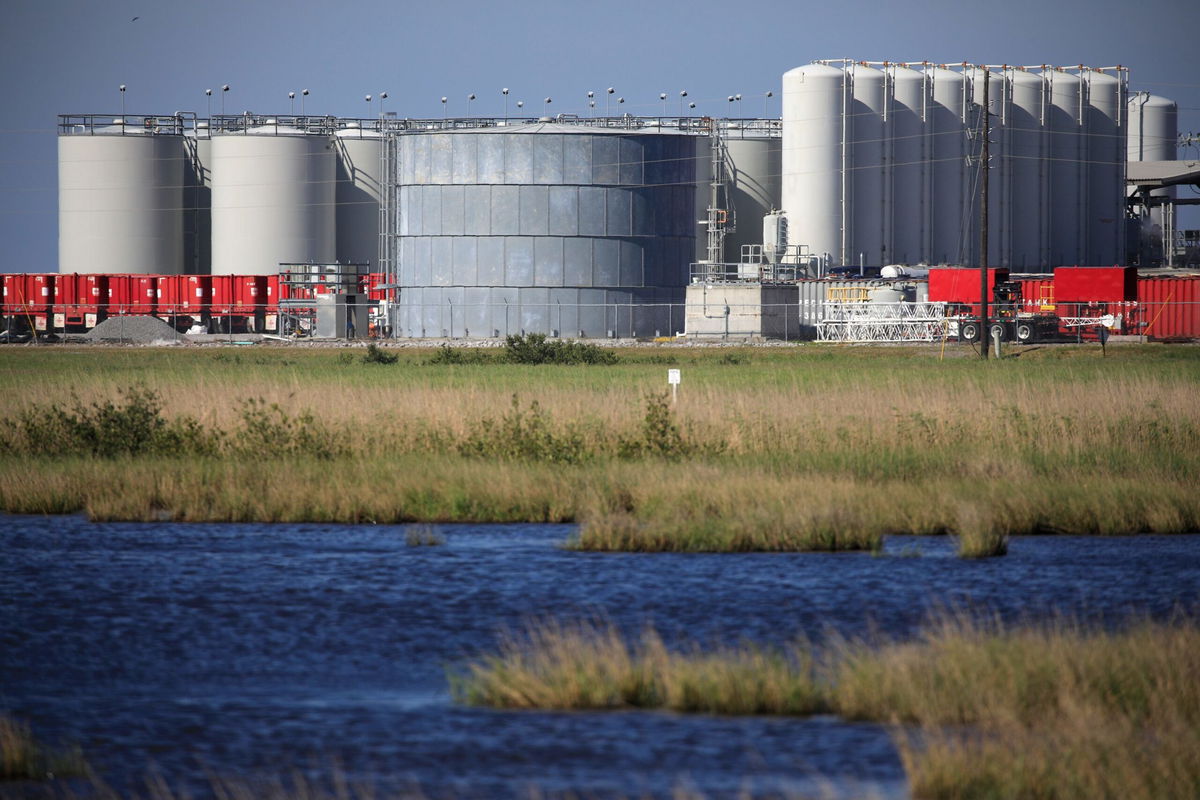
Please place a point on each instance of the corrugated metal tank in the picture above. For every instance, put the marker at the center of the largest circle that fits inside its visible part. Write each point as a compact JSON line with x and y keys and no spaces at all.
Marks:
{"x":755,"y":189}
{"x":812,"y":160}
{"x":909,"y":196}
{"x":1027,"y":170}
{"x":1106,"y":136}
{"x":866,"y":220}
{"x":550,"y":228}
{"x":948,"y":153}
{"x":1068,"y":153}
{"x":120,"y":200}
{"x":273,"y":195}
{"x":358,"y":192}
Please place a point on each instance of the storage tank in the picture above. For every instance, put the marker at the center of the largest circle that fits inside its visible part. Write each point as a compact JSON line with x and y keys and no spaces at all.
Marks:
{"x":1153,"y":132}
{"x":947,"y":150}
{"x":197,"y":201}
{"x":1066,"y":197}
{"x":867,"y":221}
{"x":909,"y":196}
{"x":1027,"y":169}
{"x":998,"y":202}
{"x":813,"y":159}
{"x":1106,"y":145}
{"x":754,"y":169}
{"x":544,"y":228}
{"x":273,"y":194}
{"x":120,"y":195}
{"x":358,"y":192}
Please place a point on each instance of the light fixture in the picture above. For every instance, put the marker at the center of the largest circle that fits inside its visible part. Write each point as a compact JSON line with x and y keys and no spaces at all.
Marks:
{"x":292,"y":101}
{"x":303,"y":94}
{"x":504,"y":92}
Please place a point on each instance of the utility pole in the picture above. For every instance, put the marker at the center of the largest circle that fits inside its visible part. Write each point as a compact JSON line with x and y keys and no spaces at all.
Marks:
{"x":984,"y":337}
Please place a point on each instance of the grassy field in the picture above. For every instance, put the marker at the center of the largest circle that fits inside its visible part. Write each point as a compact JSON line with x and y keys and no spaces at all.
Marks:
{"x":978,"y":709}
{"x":810,"y":447}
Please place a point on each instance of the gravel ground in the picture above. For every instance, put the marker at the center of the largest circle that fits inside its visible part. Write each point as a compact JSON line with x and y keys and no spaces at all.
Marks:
{"x":134,"y":330}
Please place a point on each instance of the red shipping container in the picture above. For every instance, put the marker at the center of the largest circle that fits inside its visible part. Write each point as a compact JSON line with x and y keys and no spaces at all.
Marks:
{"x":1095,"y":284}
{"x":1037,"y":295}
{"x":132,"y":294}
{"x":238,"y":295}
{"x":960,"y":284}
{"x":80,"y":300}
{"x":184,"y":295}
{"x":1168,"y":308}
{"x":30,"y":297}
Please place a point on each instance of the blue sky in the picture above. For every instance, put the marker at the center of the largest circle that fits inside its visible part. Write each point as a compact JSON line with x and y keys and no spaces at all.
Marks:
{"x":69,"y":56}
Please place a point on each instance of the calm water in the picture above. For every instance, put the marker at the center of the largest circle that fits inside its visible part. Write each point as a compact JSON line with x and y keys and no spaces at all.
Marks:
{"x":253,"y":649}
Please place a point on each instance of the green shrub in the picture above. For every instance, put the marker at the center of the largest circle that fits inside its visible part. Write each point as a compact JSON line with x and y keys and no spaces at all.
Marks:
{"x":268,"y":430}
{"x":376,"y":356}
{"x":133,"y":426}
{"x":660,"y":436}
{"x":524,"y":435}
{"x":535,"y":348}
{"x":456,"y":355}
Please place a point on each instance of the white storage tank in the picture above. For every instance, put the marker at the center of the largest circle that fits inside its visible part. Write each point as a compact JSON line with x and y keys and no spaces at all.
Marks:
{"x":273,"y":195}
{"x":1027,"y":170}
{"x":358,"y":192}
{"x":754,"y":170}
{"x":866,"y":220}
{"x":814,"y":105}
{"x":909,"y":196}
{"x":949,"y":188}
{"x":1106,"y":130}
{"x":120,"y":196}
{"x":197,"y":201}
{"x":1066,"y":197}
{"x":1153,"y":133}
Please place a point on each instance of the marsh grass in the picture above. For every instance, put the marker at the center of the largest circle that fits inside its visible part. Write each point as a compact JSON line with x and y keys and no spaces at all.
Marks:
{"x":589,"y":665}
{"x":980,"y":534}
{"x":22,"y":757}
{"x":1060,"y":709}
{"x":810,"y":443}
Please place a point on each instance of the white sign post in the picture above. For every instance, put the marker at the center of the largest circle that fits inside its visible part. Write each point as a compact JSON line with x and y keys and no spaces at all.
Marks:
{"x":673,"y":379}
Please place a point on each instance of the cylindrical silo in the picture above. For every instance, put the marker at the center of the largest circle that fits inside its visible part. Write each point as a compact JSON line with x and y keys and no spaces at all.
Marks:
{"x":273,"y":194}
{"x":754,"y":171}
{"x":544,"y":228}
{"x":1106,"y":146}
{"x":1153,"y":132}
{"x":1066,"y":199}
{"x":998,"y":233}
{"x":120,"y":197}
{"x":947,"y":136}
{"x":358,"y":191}
{"x":866,"y":220}
{"x":909,"y":200}
{"x":197,"y":201}
{"x":1026,"y":165}
{"x":814,"y":158}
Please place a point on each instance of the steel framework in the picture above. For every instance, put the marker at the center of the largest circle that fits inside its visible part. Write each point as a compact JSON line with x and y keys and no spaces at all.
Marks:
{"x":882,"y":322}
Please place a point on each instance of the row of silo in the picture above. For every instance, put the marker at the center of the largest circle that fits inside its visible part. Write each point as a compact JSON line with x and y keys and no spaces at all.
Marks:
{"x":544,"y":228}
{"x":882,"y":163}
{"x":158,"y":195}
